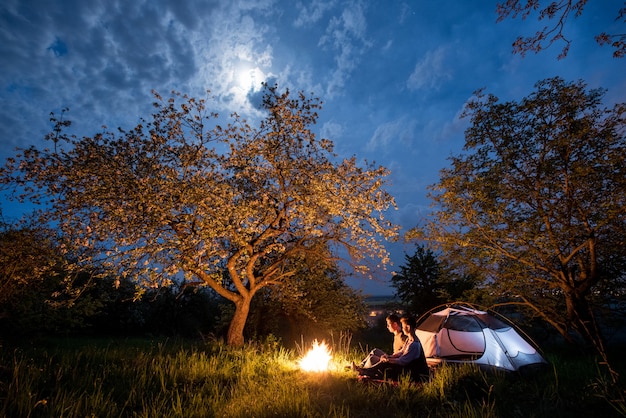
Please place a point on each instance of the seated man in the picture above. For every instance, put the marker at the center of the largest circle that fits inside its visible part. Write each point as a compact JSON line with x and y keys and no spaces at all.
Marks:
{"x":395,"y":327}
{"x":410,"y":359}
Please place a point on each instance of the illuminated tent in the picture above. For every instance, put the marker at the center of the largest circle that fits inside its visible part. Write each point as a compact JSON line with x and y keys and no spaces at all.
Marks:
{"x":460,"y":334}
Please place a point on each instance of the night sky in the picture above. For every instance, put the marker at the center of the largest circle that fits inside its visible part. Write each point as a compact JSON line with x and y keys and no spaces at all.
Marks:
{"x":393,"y":75}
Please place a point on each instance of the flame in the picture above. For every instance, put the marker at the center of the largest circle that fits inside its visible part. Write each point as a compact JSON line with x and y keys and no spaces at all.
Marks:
{"x":317,"y":359}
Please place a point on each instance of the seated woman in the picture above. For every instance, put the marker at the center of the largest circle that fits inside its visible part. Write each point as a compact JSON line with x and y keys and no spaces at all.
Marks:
{"x":395,"y":327}
{"x":410,"y":359}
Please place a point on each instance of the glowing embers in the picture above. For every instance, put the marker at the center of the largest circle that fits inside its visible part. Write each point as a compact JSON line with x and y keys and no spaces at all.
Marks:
{"x":317,"y":359}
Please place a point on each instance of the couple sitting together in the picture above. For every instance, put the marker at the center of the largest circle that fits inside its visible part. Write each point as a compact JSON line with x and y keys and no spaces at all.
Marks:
{"x":408,"y":355}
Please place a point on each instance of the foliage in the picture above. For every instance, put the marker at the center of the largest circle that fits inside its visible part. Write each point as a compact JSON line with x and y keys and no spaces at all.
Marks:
{"x":177,"y":378}
{"x":42,"y":295}
{"x":417,"y":281}
{"x":27,"y":255}
{"x":425,"y":282}
{"x":45,"y":308}
{"x":183,"y":197}
{"x":561,"y":11}
{"x":537,"y":202}
{"x":39,"y":292}
{"x":314,"y":303}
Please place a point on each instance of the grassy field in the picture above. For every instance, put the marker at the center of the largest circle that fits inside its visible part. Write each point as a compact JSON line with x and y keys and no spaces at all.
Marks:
{"x":167,"y":378}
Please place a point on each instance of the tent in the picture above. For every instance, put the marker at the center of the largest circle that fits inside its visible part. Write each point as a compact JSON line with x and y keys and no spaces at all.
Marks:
{"x":462,"y":334}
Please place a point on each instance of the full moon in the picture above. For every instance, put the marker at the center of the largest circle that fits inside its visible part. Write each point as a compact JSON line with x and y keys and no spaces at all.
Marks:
{"x":247,"y":78}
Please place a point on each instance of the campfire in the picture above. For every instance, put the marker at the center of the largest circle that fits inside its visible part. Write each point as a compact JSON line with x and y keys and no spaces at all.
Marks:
{"x":317,"y":358}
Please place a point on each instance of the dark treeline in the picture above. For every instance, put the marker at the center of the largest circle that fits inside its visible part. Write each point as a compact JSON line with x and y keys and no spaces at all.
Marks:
{"x":41,"y":296}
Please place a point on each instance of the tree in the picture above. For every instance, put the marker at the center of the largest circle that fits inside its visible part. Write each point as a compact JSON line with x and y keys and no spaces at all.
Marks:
{"x":181,"y":197}
{"x":38,"y":289}
{"x":560,"y":10}
{"x":537,"y":201}
{"x":28,"y":257}
{"x":426,"y":281}
{"x":417,"y":281}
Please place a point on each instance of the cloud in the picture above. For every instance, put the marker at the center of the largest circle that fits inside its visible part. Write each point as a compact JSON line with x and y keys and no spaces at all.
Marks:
{"x":383,"y":69}
{"x":102,"y":59}
{"x":58,"y":48}
{"x":332,"y":130}
{"x":236,"y":41}
{"x":346,"y":36}
{"x":390,"y":137}
{"x":96,"y":57}
{"x":312,"y":13}
{"x":430,"y":71}
{"x":411,"y":214}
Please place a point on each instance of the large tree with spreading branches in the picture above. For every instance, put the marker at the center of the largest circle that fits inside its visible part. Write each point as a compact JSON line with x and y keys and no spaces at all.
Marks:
{"x":537,"y":201}
{"x":184,"y":197}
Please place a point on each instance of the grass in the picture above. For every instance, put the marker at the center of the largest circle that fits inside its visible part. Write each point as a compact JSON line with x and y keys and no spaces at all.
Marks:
{"x":167,"y":378}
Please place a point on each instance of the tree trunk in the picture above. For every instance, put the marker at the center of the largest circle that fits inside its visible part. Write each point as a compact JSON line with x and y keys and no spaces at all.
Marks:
{"x":237,"y":324}
{"x":584,"y":322}
{"x":582,"y":319}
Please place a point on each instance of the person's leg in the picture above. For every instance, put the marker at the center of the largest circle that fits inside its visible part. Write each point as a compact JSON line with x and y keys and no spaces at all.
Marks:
{"x":383,"y":371}
{"x":372,"y":358}
{"x":377,"y":352}
{"x":376,"y":371}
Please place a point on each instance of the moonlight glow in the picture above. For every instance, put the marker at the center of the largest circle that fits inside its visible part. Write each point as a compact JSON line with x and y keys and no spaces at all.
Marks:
{"x":247,"y":78}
